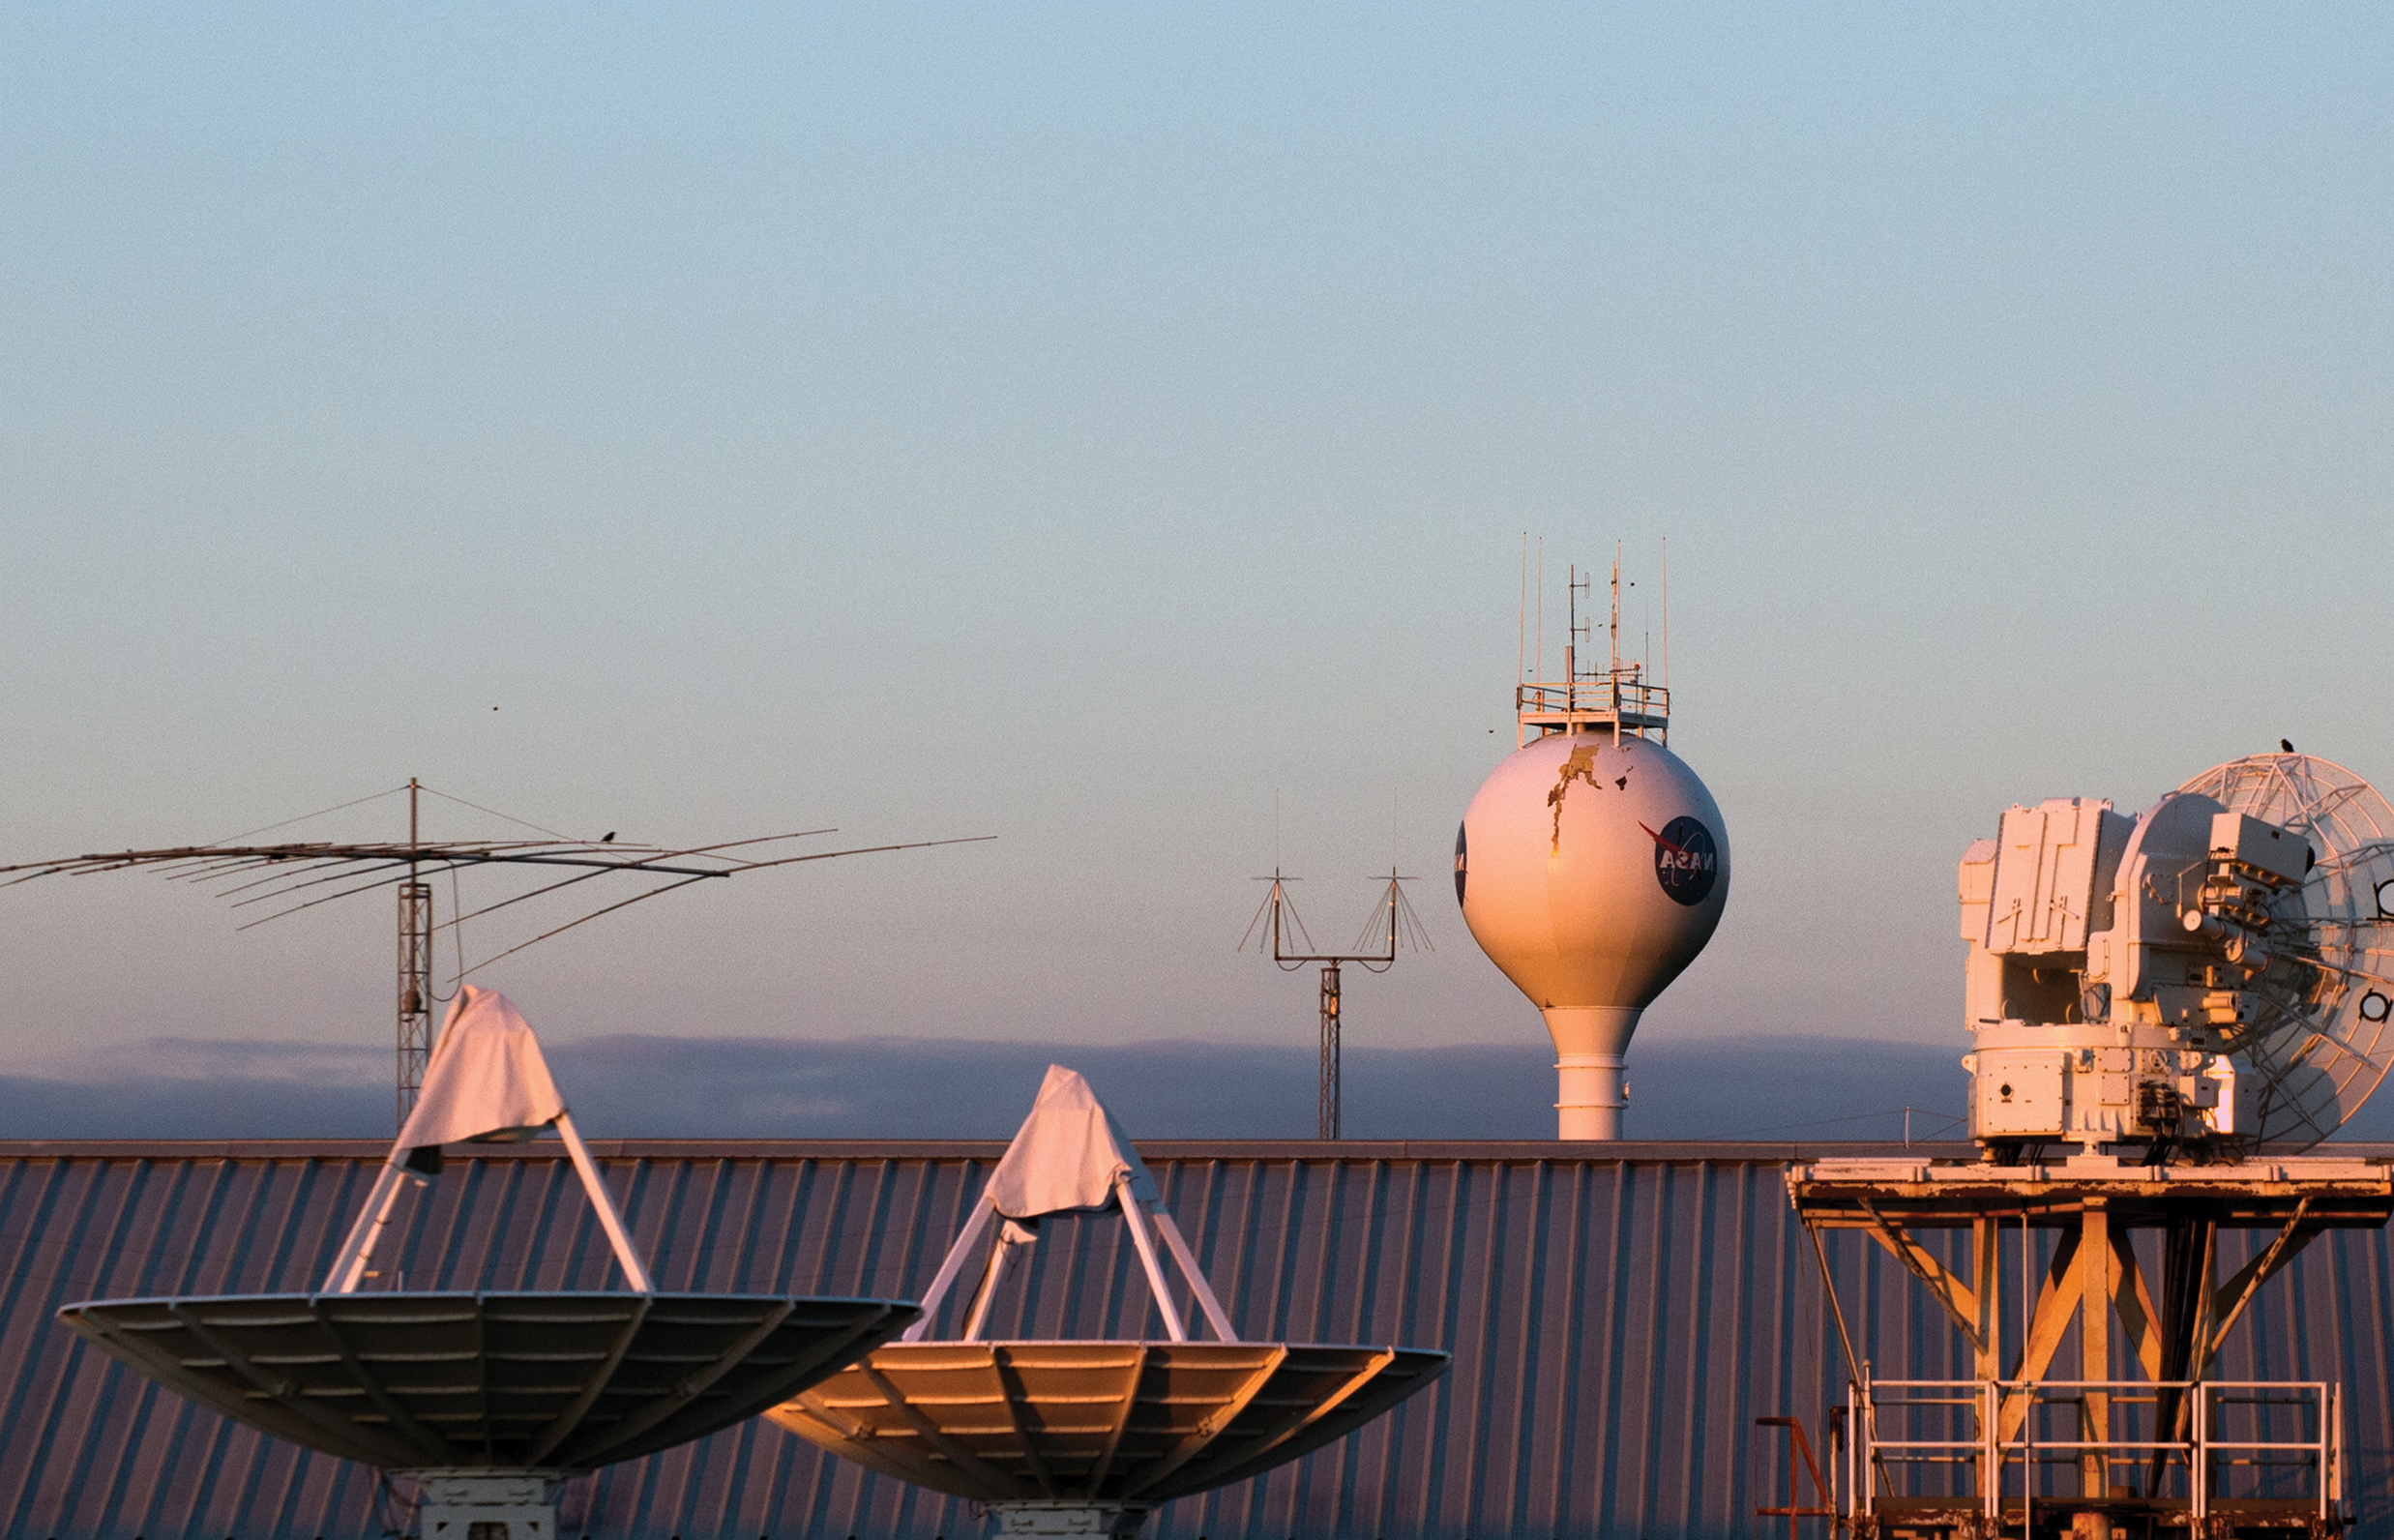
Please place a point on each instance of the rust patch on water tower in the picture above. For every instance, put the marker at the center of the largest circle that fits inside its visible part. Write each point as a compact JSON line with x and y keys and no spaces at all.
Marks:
{"x":1581,"y":767}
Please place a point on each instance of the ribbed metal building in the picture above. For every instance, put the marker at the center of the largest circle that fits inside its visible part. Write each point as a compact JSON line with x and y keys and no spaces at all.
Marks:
{"x":1617,"y":1322}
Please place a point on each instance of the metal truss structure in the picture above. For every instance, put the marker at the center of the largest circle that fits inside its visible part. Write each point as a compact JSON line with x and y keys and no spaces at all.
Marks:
{"x":2031,"y":1446}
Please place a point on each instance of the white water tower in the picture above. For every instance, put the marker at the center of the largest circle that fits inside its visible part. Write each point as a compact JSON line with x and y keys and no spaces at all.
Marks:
{"x":1592,"y":866}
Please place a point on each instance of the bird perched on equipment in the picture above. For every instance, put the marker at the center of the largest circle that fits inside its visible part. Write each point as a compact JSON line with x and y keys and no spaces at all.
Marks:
{"x":609,"y":837}
{"x":2285,"y":746}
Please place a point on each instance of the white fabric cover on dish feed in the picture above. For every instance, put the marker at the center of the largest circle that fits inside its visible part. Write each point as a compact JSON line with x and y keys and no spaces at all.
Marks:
{"x":487,"y":1079}
{"x":1066,"y":1156}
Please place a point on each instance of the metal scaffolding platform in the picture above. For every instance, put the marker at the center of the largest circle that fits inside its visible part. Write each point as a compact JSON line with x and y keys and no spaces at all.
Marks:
{"x":2021,"y":1449}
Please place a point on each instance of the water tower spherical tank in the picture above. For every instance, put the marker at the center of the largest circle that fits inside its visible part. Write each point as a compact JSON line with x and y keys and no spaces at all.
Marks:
{"x":1591,"y":871}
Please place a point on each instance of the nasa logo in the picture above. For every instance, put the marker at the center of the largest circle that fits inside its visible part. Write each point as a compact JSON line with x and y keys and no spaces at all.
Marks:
{"x":1685,"y":860}
{"x":1459,"y":863}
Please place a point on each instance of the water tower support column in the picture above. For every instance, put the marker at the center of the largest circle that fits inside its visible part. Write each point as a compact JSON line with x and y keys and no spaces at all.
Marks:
{"x":1590,"y":1088}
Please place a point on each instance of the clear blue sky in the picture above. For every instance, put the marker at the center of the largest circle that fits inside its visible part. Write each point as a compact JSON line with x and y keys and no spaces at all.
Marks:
{"x":1087,"y":424}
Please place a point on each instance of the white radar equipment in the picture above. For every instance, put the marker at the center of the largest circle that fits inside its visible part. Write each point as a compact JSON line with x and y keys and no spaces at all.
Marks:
{"x":2169,"y":1011}
{"x":1592,"y":866}
{"x":2212,"y":976}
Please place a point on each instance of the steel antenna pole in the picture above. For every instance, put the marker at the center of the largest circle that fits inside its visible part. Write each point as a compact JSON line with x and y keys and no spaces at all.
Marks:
{"x":1329,"y":1124}
{"x":415,"y":966}
{"x":1330,"y":1050}
{"x":1268,"y":919}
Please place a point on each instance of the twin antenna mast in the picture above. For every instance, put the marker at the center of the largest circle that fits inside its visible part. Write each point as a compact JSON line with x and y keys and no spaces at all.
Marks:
{"x":247,"y":874}
{"x":1285,"y":937}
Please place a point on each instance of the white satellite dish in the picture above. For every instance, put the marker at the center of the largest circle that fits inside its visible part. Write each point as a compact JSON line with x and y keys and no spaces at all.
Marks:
{"x":1086,"y":1437}
{"x":2319,"y":1044}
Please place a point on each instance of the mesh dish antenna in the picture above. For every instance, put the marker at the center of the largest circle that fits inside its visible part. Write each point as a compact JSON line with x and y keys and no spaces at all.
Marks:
{"x":2318,"y":1043}
{"x":2211,"y":976}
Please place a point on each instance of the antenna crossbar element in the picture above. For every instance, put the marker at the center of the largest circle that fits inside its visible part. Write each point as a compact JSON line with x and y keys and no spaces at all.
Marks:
{"x":1393,"y":917}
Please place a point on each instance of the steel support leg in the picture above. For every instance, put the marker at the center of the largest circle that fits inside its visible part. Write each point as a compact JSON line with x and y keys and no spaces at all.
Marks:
{"x":2094,"y":1327}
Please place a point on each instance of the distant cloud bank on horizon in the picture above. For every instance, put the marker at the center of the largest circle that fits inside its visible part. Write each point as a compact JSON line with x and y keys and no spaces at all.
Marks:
{"x":1770,"y":1088}
{"x":656,"y":1086}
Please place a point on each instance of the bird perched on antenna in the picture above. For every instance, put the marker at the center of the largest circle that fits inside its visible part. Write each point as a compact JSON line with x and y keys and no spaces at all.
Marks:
{"x":609,"y":837}
{"x":2285,"y":746}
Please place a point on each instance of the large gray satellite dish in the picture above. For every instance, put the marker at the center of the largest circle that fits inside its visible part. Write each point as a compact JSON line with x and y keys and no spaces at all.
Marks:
{"x":485,"y":1402}
{"x":563,"y":1382}
{"x":2318,"y":1043}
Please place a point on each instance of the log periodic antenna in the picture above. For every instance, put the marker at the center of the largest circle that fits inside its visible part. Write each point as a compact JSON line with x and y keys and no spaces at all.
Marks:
{"x":247,"y":874}
{"x":1391,"y":920}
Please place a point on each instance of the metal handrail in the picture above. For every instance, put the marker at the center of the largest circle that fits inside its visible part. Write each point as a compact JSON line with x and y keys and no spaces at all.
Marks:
{"x":1591,"y":694}
{"x":2206,"y":1450}
{"x":1618,"y":699}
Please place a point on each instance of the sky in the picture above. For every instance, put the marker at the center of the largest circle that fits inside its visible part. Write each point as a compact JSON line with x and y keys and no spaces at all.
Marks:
{"x":1116,"y":429}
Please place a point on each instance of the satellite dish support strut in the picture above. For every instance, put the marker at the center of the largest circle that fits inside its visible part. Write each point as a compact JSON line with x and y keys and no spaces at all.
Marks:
{"x":358,"y":1249}
{"x":1134,"y":1212}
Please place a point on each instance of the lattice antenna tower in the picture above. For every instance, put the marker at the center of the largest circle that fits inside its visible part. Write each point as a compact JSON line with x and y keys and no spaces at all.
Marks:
{"x":415,"y":963}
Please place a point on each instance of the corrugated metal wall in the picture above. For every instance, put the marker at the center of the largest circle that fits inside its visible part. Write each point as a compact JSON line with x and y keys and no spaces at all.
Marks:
{"x":1617,"y":1324}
